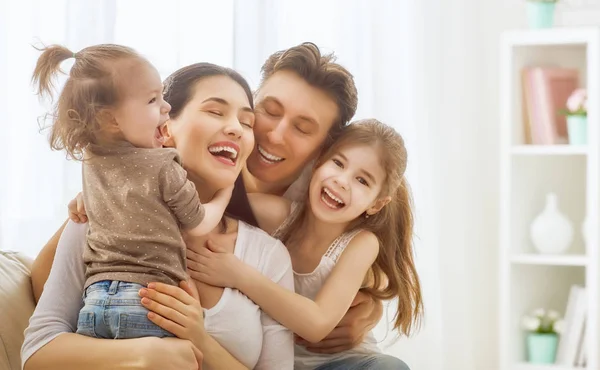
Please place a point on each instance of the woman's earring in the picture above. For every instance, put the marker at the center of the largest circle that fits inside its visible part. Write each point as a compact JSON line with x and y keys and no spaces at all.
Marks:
{"x":367,"y":215}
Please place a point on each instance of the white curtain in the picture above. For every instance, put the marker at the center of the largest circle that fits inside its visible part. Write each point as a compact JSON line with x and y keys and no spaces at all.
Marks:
{"x":391,"y":47}
{"x":37,"y":183}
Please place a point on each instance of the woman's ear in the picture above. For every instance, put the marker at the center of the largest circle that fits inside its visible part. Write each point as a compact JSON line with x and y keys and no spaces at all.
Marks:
{"x":378,"y":205}
{"x":165,"y":130}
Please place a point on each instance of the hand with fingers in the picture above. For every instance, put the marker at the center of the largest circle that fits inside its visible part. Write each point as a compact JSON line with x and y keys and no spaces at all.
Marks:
{"x":77,"y":210}
{"x":175,"y":309}
{"x":215,"y":266}
{"x":363,"y":315}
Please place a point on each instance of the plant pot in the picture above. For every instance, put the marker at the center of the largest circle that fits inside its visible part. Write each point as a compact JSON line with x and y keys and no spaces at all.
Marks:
{"x":540,"y":14}
{"x":577,"y":128}
{"x":541,"y":348}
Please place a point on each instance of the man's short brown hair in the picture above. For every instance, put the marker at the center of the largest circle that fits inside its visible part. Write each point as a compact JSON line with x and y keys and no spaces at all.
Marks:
{"x":320,"y":71}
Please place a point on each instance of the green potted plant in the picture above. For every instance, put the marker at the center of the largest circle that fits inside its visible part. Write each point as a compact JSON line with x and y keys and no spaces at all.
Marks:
{"x":576,"y":112}
{"x":540,"y":13}
{"x":543,"y":328}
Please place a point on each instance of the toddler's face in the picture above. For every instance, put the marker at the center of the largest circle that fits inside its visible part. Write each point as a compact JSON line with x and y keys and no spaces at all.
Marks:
{"x":142,"y":110}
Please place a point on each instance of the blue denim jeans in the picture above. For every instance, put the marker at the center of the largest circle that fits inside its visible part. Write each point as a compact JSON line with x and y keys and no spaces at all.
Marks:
{"x":376,"y":361}
{"x":113,"y":310}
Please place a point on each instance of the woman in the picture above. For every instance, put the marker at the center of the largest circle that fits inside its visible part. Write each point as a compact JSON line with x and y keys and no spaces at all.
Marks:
{"x":210,"y":105}
{"x":303,"y":101}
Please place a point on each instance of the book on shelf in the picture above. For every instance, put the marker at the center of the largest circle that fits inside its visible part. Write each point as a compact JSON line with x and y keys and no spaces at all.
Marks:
{"x":581,"y":350}
{"x":545,"y":91}
{"x":571,"y":346}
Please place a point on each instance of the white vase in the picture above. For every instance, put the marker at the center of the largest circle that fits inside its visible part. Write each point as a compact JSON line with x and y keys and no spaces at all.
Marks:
{"x":551,"y":232}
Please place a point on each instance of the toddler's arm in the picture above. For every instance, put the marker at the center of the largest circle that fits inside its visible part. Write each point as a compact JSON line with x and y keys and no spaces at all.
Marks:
{"x":213,"y":212}
{"x":180,"y":195}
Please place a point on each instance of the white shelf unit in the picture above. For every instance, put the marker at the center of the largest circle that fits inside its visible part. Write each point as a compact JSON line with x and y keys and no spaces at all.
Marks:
{"x":527,"y":172}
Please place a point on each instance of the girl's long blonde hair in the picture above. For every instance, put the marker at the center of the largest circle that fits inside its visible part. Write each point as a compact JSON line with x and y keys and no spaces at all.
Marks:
{"x":393,"y":275}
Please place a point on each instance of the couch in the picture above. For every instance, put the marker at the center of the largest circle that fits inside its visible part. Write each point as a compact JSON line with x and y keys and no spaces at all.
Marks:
{"x":16,"y":306}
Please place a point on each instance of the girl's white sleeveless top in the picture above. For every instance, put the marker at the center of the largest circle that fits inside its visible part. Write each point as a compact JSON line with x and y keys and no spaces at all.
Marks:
{"x":308,"y":285}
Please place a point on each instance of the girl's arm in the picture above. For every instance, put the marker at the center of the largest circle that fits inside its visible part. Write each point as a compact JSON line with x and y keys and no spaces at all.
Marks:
{"x":178,"y":310}
{"x":312,"y":320}
{"x":50,"y":342}
{"x":270,"y":210}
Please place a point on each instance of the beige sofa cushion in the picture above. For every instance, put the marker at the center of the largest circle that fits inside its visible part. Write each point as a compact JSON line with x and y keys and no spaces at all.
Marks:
{"x":16,"y":306}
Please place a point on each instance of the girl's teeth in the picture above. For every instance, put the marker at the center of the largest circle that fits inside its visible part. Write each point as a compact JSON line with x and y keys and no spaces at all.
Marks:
{"x":333,"y":196}
{"x":328,"y":201}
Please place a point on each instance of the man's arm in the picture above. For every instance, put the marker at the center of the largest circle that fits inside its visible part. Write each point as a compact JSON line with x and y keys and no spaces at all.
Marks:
{"x":42,"y":264}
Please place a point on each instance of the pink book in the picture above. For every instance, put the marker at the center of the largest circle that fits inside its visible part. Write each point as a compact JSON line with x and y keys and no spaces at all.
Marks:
{"x":529,"y":112}
{"x":556,"y":87}
{"x":549,"y":88}
{"x":539,"y":124}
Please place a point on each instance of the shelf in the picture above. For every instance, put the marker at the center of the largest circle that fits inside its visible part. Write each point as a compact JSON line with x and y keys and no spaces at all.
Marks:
{"x":558,"y":260}
{"x":528,"y":366}
{"x":553,"y":36}
{"x":529,"y":172}
{"x":549,"y":150}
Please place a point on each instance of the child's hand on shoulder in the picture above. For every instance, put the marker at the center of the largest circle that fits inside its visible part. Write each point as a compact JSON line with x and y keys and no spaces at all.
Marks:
{"x":77,"y":210}
{"x":215,"y":266}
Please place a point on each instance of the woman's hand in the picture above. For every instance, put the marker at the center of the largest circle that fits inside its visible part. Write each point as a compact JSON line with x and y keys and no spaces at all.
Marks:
{"x":363,"y":315}
{"x":77,"y":210}
{"x":215,"y":266}
{"x":169,"y":354}
{"x":175,"y":309}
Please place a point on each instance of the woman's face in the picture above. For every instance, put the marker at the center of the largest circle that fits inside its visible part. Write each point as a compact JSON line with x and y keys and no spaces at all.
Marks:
{"x":292,"y":122}
{"x":213,"y":132}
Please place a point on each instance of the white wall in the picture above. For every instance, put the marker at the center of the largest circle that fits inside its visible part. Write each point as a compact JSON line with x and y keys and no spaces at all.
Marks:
{"x":466,"y":142}
{"x":455,"y":143}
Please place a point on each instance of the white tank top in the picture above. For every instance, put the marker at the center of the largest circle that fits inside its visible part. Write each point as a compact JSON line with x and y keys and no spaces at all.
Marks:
{"x":309,"y":284}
